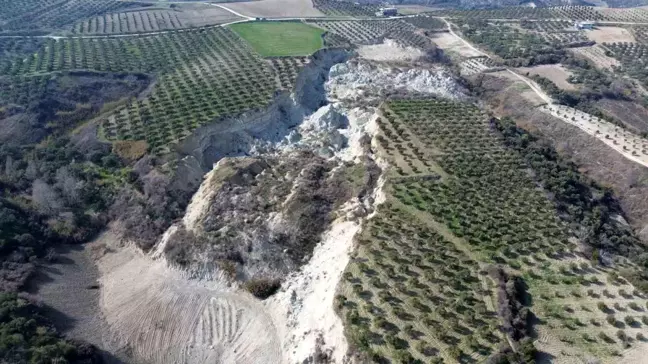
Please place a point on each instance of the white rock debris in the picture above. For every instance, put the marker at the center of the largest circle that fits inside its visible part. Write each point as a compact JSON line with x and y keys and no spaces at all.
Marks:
{"x":359,"y":80}
{"x":217,"y":322}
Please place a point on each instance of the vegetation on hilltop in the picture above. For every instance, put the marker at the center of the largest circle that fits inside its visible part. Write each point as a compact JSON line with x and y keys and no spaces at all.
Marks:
{"x":280,"y":38}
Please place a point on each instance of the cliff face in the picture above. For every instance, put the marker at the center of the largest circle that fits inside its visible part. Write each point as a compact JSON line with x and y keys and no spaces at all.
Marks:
{"x":259,"y":130}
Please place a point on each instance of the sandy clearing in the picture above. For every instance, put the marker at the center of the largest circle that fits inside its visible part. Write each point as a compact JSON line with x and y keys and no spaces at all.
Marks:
{"x":453,"y":44}
{"x":554,"y":72}
{"x":159,"y":315}
{"x":390,"y":50}
{"x":636,"y":354}
{"x":628,"y":144}
{"x":610,"y":34}
{"x":275,"y":8}
{"x":597,"y":55}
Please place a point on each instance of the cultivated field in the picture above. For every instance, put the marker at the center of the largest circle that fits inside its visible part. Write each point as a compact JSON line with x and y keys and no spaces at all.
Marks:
{"x":597,"y":55}
{"x":414,"y":9}
{"x":184,"y":16}
{"x":360,"y":31}
{"x":554,"y":72}
{"x":272,"y":39}
{"x":345,"y":8}
{"x":610,"y":34}
{"x":287,"y":69}
{"x":454,"y":45}
{"x":476,"y":65}
{"x":460,"y":199}
{"x":53,"y":14}
{"x":585,"y":13}
{"x":367,"y":32}
{"x":521,"y":88}
{"x":275,"y":8}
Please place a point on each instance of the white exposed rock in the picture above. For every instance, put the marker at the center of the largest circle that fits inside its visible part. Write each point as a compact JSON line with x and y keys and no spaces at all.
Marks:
{"x":390,"y":50}
{"x":357,"y":81}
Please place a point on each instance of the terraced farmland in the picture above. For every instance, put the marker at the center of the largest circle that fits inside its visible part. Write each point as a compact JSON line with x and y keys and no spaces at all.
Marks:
{"x":287,"y":69}
{"x":345,"y":8}
{"x":460,"y":197}
{"x":359,"y":31}
{"x":150,"y":53}
{"x":362,"y":32}
{"x":558,"y":12}
{"x":181,"y":16}
{"x":54,"y":14}
{"x":516,"y":46}
{"x":228,"y":80}
{"x":130,"y":22}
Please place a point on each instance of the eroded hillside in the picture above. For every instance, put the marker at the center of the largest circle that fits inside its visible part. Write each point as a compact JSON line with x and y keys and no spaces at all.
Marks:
{"x":459,"y":186}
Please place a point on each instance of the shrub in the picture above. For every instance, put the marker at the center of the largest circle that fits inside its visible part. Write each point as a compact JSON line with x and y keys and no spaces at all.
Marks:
{"x":602,"y":306}
{"x":262,"y":288}
{"x":611,"y":320}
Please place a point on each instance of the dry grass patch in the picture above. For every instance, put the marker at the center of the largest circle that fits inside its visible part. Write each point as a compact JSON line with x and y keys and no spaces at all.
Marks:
{"x":554,"y":72}
{"x":631,"y":114}
{"x":610,"y":34}
{"x":130,"y":150}
{"x":597,"y":55}
{"x":630,"y":145}
{"x":520,"y":88}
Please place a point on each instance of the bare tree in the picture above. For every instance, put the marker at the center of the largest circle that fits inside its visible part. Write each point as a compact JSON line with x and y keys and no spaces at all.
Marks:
{"x":46,"y":199}
{"x":69,"y":185}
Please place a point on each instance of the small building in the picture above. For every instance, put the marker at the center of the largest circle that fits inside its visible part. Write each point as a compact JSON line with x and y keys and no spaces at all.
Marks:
{"x":388,"y":11}
{"x":584,"y":25}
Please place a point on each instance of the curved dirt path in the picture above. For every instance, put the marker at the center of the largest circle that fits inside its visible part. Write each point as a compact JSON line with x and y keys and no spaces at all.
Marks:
{"x":231,"y":11}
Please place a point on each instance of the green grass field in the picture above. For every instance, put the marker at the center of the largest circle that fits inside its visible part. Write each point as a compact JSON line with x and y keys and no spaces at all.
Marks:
{"x":280,"y":38}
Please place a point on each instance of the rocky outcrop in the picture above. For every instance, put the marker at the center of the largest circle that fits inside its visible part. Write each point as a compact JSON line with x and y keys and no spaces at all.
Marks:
{"x":365,"y":83}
